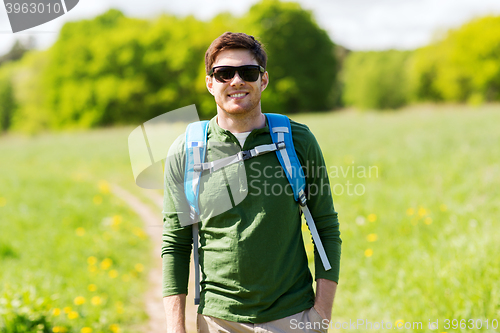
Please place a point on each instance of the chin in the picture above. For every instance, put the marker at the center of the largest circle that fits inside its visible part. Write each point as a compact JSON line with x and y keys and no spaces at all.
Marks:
{"x":237,"y":110}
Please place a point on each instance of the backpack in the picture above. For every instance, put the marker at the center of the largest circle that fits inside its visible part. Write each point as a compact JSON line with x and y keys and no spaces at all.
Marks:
{"x":196,"y":148}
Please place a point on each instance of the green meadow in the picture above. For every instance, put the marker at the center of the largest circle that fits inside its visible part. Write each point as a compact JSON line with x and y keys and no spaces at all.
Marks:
{"x":421,"y":243}
{"x":416,"y":192}
{"x":74,"y":258}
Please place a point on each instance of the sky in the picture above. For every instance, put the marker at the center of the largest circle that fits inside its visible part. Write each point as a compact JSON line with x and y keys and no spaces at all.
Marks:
{"x":355,"y":24}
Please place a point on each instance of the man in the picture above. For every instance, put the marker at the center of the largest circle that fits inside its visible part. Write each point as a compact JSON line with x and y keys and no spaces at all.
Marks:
{"x":254,"y":265}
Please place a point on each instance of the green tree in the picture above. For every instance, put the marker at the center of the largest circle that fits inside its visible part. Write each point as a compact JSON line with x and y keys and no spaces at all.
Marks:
{"x":115,"y":69}
{"x":32,"y":113}
{"x":376,"y":80}
{"x":422,"y":73}
{"x":17,"y":50}
{"x":93,"y":76}
{"x":464,"y":66}
{"x":7,"y":103}
{"x":302,"y":64}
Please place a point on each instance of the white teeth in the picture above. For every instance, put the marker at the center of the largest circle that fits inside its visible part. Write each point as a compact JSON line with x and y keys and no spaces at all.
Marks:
{"x":238,"y":95}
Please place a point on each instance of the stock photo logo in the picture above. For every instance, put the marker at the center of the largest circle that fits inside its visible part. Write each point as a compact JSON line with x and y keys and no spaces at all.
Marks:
{"x":26,"y":14}
{"x":150,"y":156}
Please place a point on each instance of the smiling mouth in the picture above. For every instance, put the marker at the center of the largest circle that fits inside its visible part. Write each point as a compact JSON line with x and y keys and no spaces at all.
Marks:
{"x":238,"y":95}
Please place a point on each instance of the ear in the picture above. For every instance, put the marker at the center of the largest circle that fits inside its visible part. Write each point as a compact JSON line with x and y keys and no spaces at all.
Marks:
{"x":264,"y":81}
{"x":209,"y":83}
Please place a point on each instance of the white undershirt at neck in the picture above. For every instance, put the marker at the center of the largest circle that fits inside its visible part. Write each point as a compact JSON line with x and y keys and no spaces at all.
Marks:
{"x":241,"y":137}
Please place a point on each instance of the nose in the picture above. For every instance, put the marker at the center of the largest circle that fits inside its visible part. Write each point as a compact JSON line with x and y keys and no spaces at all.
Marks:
{"x":237,"y":80}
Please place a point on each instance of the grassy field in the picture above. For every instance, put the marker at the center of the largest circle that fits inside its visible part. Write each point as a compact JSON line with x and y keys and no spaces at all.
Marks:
{"x":418,"y":220}
{"x":421,"y":243}
{"x":73,"y":257}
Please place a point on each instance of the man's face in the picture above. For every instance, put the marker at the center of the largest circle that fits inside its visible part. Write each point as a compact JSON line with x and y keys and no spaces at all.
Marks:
{"x":237,"y":96}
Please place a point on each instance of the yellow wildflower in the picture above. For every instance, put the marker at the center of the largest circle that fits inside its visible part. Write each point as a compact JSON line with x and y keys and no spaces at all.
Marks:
{"x":91,"y":260}
{"x":428,"y":220}
{"x":368,"y":253}
{"x":139,"y":267}
{"x":67,"y":309}
{"x":139,"y":233}
{"x":114,"y":328}
{"x":59,"y":329}
{"x":116,"y":221}
{"x":3,"y":202}
{"x":80,"y":231}
{"x":92,"y":287}
{"x":372,"y":218}
{"x":79,"y":300}
{"x":113,"y":273}
{"x":73,"y":315}
{"x":399,"y":323}
{"x":104,"y":187}
{"x":56,"y":312}
{"x":106,"y":264}
{"x":119,"y":307}
{"x":372,"y":237}
{"x":86,"y":330}
{"x":96,"y":300}
{"x":422,"y":211}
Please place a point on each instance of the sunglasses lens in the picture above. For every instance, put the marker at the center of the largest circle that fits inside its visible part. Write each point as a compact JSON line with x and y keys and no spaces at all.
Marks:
{"x":224,"y":74}
{"x":249,"y":73}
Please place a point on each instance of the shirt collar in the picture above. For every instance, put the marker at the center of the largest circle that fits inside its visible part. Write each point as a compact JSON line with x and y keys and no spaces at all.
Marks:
{"x":220,"y":131}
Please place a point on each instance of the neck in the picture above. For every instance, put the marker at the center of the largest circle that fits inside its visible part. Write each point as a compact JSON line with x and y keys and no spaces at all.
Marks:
{"x":239,"y":123}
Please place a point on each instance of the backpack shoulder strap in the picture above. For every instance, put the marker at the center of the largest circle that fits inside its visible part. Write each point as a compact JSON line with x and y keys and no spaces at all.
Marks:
{"x":279,"y":126}
{"x":196,"y":149}
{"x":196,"y":144}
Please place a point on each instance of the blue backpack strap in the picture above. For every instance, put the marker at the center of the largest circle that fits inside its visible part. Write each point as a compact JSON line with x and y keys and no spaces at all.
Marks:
{"x":196,"y":148}
{"x":196,"y":144}
{"x":279,"y":126}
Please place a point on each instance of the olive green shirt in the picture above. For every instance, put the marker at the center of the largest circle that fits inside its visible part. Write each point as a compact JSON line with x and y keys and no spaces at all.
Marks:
{"x":253,"y":262}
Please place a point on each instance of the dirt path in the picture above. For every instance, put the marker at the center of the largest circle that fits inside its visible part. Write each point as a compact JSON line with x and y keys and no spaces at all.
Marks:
{"x":153,"y":298}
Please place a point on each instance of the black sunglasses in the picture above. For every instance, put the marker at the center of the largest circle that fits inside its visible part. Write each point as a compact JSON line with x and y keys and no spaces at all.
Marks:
{"x":249,"y":73}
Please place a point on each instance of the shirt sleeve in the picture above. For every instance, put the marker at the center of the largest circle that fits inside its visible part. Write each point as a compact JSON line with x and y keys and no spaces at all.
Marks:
{"x":319,"y":201}
{"x":177,"y":239}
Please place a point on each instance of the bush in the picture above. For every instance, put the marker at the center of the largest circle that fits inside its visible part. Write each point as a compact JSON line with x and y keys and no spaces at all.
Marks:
{"x":7,"y":101}
{"x":24,"y":312}
{"x":376,"y":80}
{"x":302,"y":64}
{"x":462,"y":67}
{"x":113,"y":69}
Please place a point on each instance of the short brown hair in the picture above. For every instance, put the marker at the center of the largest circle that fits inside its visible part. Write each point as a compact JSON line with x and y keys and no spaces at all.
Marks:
{"x":232,"y":40}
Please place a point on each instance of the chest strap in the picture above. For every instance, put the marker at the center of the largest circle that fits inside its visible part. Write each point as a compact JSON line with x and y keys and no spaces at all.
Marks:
{"x":241,"y":156}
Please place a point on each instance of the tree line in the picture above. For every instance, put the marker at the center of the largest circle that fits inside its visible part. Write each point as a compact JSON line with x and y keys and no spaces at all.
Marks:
{"x":461,"y":67}
{"x":114,"y":69}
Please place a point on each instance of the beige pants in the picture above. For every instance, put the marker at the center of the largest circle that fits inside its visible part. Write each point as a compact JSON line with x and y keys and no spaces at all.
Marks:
{"x":307,"y":321}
